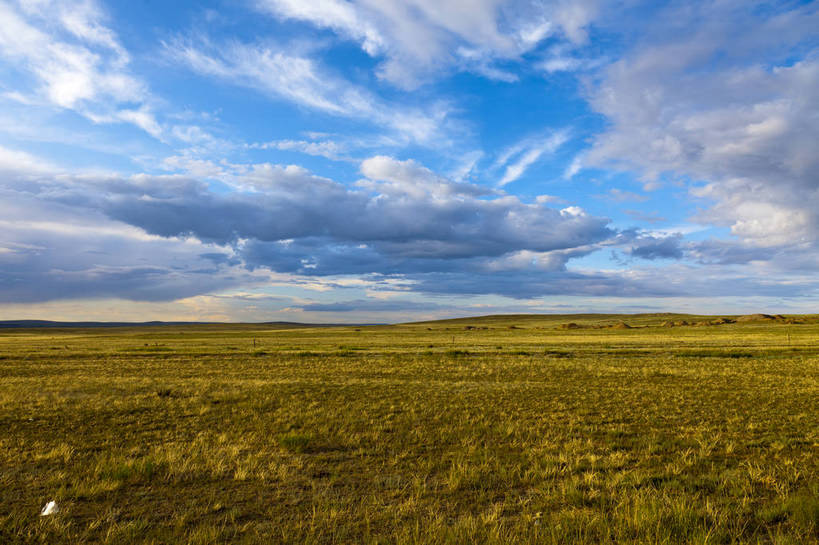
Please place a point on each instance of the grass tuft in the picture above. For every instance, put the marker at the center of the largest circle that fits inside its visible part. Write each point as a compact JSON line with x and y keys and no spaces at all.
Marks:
{"x":295,"y":442}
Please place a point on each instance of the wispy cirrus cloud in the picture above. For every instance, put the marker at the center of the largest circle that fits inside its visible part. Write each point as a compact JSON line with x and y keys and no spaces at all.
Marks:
{"x":329,"y":149}
{"x":562,"y":58}
{"x":300,"y":79}
{"x":420,"y":38}
{"x":74,"y":62}
{"x":516,"y":159}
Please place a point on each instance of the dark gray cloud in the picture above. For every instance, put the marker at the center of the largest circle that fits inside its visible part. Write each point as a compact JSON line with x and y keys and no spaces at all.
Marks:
{"x":401,"y":217}
{"x":651,"y":247}
{"x":30,"y":284}
{"x":155,"y":238}
{"x":167,"y":237}
{"x":50,"y":251}
{"x":372,"y":305}
{"x":725,"y":252}
{"x":529,"y":284}
{"x":796,"y":258}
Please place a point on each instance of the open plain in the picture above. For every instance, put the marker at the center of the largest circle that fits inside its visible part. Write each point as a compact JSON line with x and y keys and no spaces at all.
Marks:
{"x":505,"y":429}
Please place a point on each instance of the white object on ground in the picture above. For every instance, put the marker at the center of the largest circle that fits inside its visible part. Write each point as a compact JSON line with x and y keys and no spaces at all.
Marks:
{"x":49,"y":509}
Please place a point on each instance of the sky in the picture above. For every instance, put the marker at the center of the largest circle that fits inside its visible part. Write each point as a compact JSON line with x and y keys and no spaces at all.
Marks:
{"x":394,"y":160}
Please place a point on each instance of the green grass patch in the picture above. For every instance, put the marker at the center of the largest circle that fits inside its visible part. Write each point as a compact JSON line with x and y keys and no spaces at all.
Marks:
{"x":295,"y":442}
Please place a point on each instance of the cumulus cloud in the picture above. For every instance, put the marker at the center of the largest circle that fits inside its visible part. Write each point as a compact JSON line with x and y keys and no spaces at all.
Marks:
{"x":418,"y":38}
{"x":400,"y":218}
{"x":401,"y":228}
{"x":399,"y":209}
{"x":727,"y":109}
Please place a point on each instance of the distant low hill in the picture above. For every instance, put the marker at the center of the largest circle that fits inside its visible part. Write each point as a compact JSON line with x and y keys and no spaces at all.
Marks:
{"x":48,"y":323}
{"x":617,"y":321}
{"x":22,"y":324}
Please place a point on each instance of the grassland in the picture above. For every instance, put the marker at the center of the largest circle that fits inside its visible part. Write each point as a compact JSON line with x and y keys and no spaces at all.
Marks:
{"x":492,"y":430}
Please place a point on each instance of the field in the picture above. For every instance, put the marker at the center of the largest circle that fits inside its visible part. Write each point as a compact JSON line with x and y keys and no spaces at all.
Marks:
{"x":504,"y":430}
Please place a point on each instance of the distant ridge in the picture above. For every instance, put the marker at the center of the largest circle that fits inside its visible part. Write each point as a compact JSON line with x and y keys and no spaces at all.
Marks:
{"x":48,"y":323}
{"x":20,"y":324}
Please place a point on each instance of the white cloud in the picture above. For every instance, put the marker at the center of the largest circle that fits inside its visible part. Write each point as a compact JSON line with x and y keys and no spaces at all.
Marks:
{"x":562,"y":58}
{"x":545,"y":199}
{"x":416,"y":38}
{"x":467,"y":165}
{"x":725,"y":106}
{"x":407,"y":178}
{"x":200,"y":168}
{"x":143,"y":119}
{"x":323,"y":148}
{"x":273,"y":71}
{"x":574,"y":167}
{"x":83,"y":18}
{"x":574,"y":18}
{"x":761,"y":213}
{"x":20,"y":162}
{"x":77,"y":62}
{"x":338,"y":15}
{"x":528,"y":152}
{"x":560,"y":64}
{"x":573,"y":211}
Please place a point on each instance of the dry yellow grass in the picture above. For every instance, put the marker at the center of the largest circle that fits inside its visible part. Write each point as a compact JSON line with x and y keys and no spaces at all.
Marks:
{"x":449,"y":432}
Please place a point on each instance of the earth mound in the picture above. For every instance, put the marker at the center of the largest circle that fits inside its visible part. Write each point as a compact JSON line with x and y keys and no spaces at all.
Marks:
{"x":571,"y":325}
{"x":755,"y":317}
{"x":720,"y":321}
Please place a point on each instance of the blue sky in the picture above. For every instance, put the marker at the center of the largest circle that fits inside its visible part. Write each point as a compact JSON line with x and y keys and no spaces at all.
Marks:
{"x":363,"y":160}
